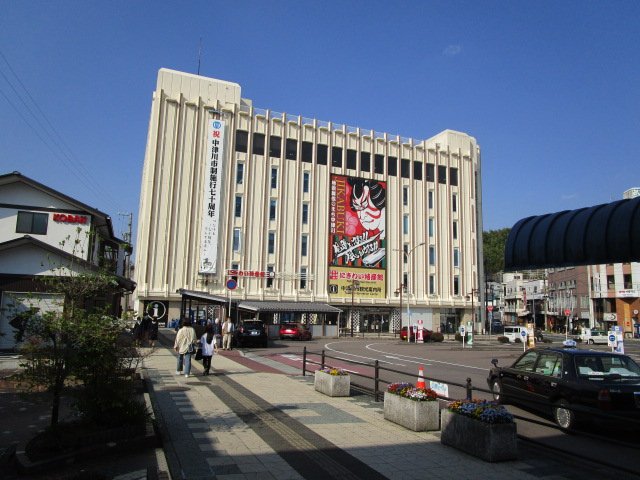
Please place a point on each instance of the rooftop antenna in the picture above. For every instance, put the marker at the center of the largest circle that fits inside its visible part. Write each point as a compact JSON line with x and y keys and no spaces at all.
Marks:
{"x":199,"y":55}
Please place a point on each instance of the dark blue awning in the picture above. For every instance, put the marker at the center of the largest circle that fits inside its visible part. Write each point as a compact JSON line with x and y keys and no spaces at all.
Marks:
{"x":608,"y":233}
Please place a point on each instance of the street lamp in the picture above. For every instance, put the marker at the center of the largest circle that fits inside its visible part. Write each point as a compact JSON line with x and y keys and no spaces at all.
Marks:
{"x":474,"y":292}
{"x":406,"y":257}
{"x":354,"y":283}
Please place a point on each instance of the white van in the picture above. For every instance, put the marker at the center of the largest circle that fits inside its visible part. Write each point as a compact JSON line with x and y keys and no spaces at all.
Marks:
{"x":592,"y":336}
{"x":514,"y":331}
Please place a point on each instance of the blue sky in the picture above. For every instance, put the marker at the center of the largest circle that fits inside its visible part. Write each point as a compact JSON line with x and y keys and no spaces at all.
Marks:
{"x":550,"y":89}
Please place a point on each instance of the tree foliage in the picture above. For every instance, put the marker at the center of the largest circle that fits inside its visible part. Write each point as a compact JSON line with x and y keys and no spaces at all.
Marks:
{"x":494,"y":242}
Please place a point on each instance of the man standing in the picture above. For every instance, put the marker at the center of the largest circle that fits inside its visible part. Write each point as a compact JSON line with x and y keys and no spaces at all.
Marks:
{"x":227,"y":331}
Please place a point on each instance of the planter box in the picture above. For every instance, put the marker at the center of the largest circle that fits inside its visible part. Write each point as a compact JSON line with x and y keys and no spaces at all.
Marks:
{"x":490,"y":442}
{"x":332,"y":385}
{"x":416,"y":416}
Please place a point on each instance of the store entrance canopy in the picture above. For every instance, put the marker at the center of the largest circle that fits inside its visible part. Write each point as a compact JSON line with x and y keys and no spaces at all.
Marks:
{"x":278,"y":307}
{"x":608,"y":233}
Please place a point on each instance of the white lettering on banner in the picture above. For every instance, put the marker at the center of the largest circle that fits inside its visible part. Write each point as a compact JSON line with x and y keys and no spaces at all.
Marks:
{"x":211,"y":197}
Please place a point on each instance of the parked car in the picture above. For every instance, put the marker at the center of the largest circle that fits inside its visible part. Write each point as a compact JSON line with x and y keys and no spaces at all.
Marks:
{"x":251,"y":333}
{"x":426,"y":334}
{"x":295,"y":331}
{"x":496,"y":327}
{"x":572,"y":385}
{"x":592,"y":336}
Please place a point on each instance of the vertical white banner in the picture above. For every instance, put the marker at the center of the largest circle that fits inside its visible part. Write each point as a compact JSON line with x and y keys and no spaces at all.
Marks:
{"x":211,"y":197}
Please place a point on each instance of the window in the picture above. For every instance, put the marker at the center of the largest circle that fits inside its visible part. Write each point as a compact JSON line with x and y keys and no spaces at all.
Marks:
{"x":322,"y":154}
{"x":392,"y":166}
{"x":303,"y":245}
{"x":305,"y":182}
{"x":303,"y":278}
{"x":405,"y":257}
{"x":405,"y":167}
{"x":432,"y":284}
{"x":405,"y":224}
{"x":275,"y":146}
{"x":291,"y":149}
{"x":454,"y":202}
{"x":258,"y":144}
{"x":405,"y":196}
{"x":306,"y":153}
{"x":430,"y":199}
{"x":456,"y":285}
{"x":270,"y":277}
{"x":454,"y":230}
{"x":430,"y":226}
{"x":527,"y":362}
{"x":432,"y":255}
{"x":611,"y":283}
{"x":305,"y":213}
{"x":237,"y":239}
{"x":273,"y":203}
{"x":442,"y":174}
{"x":271,"y":242}
{"x":274,"y":178}
{"x":365,"y":161}
{"x":31,"y":222}
{"x":378,"y":164}
{"x":351,"y":159}
{"x":242,"y":140}
{"x":238,"y":209}
{"x":627,"y":281}
{"x":431,"y":172}
{"x":456,"y":257}
{"x":453,"y":176}
{"x":239,"y":173}
{"x":417,"y":170}
{"x":336,"y":157}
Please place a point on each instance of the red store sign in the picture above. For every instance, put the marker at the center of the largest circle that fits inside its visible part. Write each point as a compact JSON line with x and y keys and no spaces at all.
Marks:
{"x":68,"y":218}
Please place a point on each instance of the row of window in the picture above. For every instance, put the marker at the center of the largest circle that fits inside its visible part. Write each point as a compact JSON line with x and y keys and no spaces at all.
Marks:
{"x":32,"y":223}
{"x":407,"y":167}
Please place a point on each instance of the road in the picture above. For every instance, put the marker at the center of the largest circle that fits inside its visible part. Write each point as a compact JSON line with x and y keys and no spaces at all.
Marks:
{"x":448,"y":363}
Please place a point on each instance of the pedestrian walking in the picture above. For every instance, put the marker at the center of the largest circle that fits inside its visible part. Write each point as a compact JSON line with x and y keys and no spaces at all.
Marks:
{"x":153,"y":332}
{"x":209,"y":347}
{"x":137,"y":332}
{"x":227,"y":332}
{"x":185,"y":345}
{"x":217,"y":332}
{"x":144,"y":330}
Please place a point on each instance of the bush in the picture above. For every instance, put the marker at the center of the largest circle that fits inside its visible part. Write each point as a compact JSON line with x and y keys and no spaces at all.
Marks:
{"x":503,"y":339}
{"x":437,"y":337}
{"x":458,"y":337}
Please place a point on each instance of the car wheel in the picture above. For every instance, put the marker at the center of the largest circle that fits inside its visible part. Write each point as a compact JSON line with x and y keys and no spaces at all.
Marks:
{"x":563,"y":416}
{"x":591,"y":342}
{"x":496,"y":390}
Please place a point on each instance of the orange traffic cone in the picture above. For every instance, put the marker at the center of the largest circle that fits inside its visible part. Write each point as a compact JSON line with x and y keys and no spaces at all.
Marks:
{"x":421,"y":383}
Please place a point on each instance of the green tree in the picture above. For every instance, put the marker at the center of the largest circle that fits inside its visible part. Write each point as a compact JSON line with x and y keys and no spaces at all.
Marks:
{"x":494,"y":242}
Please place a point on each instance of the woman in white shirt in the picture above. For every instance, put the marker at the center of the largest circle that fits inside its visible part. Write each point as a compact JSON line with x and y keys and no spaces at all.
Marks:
{"x":209,"y":347}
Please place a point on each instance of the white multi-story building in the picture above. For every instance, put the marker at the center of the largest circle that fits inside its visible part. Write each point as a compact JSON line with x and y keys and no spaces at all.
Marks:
{"x":43,"y":233}
{"x":262,"y":212}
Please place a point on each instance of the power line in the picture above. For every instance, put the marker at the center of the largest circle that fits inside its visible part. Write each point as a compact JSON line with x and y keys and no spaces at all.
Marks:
{"x":63,"y":152}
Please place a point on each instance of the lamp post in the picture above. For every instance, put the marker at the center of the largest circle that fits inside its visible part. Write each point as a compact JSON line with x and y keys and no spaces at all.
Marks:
{"x":474,"y":292}
{"x":354,"y":283}
{"x":406,"y":257}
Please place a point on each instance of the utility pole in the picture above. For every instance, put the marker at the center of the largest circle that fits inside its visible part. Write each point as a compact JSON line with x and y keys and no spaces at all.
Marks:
{"x":127,"y":254}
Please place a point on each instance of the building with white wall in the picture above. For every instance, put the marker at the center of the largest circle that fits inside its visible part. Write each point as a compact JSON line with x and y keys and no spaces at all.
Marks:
{"x":43,"y":233}
{"x":301,"y":213}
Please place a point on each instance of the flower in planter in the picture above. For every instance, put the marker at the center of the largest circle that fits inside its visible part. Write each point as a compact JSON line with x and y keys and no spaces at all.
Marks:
{"x":334,"y":371}
{"x":411,"y":392}
{"x":483,"y":410}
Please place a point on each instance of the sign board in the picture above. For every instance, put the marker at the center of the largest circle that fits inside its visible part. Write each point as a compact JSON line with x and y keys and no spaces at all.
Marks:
{"x":232,"y":284}
{"x":611,"y":339}
{"x":419,"y":337}
{"x":567,"y":311}
{"x":462,"y":330}
{"x":490,"y":308}
{"x":442,"y":389}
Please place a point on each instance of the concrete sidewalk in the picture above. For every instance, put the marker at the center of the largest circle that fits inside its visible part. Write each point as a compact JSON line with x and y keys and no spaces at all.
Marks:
{"x":249,"y":420}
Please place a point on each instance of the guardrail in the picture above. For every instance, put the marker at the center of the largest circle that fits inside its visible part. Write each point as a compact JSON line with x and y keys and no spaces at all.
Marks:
{"x":375,"y":377}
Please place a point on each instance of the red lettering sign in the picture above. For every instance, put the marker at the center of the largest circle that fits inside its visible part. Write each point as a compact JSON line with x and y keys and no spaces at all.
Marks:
{"x":68,"y":218}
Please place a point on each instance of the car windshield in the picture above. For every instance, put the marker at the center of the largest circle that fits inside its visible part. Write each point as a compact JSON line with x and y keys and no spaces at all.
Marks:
{"x":601,"y":366}
{"x":257,"y":325}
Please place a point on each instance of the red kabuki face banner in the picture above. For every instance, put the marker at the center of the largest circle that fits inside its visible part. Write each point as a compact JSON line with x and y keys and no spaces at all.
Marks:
{"x":357,"y":237}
